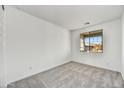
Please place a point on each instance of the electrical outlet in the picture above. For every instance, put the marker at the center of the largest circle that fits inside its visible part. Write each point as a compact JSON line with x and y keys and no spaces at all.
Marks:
{"x":30,"y":68}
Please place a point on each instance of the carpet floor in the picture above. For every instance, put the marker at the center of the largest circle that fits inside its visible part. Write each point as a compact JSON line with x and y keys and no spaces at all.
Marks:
{"x":72,"y":75}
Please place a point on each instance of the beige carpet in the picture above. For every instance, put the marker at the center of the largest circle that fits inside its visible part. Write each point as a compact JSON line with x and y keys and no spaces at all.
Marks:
{"x":72,"y":75}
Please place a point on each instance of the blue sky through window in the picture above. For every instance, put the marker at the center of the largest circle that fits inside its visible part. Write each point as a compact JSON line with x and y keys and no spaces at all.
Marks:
{"x":95,"y":40}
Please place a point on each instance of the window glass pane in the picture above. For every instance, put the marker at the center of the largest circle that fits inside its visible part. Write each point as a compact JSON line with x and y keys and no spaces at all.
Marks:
{"x":95,"y":44}
{"x":86,"y":41}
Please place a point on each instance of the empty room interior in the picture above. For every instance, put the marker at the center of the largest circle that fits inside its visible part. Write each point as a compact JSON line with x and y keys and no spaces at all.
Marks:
{"x":61,"y":46}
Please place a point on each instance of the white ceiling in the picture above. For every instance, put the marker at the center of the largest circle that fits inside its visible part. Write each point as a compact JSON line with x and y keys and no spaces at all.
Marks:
{"x":74,"y":16}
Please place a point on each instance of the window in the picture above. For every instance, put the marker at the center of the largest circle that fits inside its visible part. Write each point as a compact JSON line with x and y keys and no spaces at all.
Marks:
{"x":91,"y":41}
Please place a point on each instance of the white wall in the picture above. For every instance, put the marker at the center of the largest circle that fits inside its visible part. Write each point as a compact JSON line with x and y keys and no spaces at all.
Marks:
{"x":122,"y":20}
{"x":111,"y":56}
{"x":1,"y":48}
{"x":0,"y":45}
{"x":32,"y":45}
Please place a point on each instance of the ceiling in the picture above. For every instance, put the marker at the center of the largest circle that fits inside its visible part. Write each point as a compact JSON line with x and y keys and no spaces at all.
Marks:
{"x":74,"y":17}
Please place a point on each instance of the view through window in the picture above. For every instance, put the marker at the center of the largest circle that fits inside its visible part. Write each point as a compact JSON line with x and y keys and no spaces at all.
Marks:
{"x":91,"y":41}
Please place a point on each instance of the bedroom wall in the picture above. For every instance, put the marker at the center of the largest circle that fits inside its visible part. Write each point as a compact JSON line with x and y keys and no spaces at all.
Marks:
{"x":122,"y":21}
{"x":111,"y":56}
{"x":2,"y":82}
{"x":32,"y":45}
